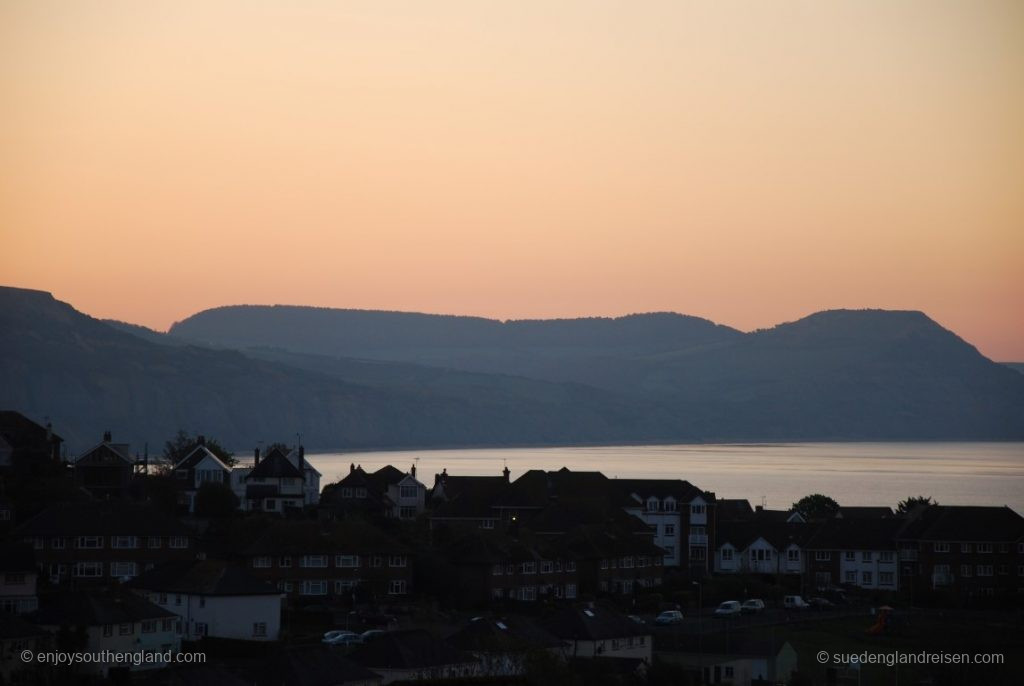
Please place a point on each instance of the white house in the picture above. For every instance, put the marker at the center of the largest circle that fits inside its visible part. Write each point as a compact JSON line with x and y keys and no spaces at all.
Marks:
{"x":278,"y":482}
{"x":598,"y":630}
{"x":114,"y":622}
{"x":761,"y":547}
{"x":678,"y":512}
{"x":213,"y":598}
{"x":199,"y":467}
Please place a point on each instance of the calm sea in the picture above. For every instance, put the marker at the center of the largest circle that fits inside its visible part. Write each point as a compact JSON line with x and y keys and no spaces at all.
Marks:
{"x":776,"y":474}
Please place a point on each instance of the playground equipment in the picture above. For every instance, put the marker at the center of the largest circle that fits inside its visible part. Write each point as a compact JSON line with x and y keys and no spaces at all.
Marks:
{"x":882,"y":620}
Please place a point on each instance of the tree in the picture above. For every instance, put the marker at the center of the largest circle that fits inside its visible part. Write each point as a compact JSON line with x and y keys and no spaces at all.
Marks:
{"x":278,"y":446}
{"x":816,"y":506}
{"x":183,"y":443}
{"x":913,"y":502}
{"x":216,"y":500}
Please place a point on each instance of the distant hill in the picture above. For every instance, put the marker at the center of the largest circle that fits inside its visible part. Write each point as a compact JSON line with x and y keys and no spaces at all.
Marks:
{"x":1016,"y":366}
{"x":357,"y":379}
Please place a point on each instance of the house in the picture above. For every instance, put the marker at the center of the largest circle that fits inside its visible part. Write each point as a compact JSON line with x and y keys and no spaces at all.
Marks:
{"x":387,"y":492}
{"x":18,"y":577}
{"x":106,"y":469}
{"x":18,"y":635}
{"x":311,"y":560}
{"x":761,"y":546}
{"x":854,"y":551}
{"x":96,"y":542}
{"x":312,"y":666}
{"x":279,"y":482}
{"x":110,"y":622}
{"x":199,"y":467}
{"x":615,"y":559}
{"x":682,"y":516}
{"x":736,"y":660}
{"x":865,"y":512}
{"x":414,"y":655}
{"x":971,"y":551}
{"x":733,"y":509}
{"x":214,"y":598}
{"x":467,"y":499}
{"x":503,"y":645}
{"x":598,"y":630}
{"x":26,"y":447}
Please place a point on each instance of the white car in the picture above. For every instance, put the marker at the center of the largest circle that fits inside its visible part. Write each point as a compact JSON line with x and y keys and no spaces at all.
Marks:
{"x":730,"y":608}
{"x":669,"y":617}
{"x":794,"y":602}
{"x":338,"y":637}
{"x":752,"y":605}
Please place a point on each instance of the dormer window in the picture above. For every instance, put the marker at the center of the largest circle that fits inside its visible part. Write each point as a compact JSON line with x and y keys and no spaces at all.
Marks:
{"x":696,"y":509}
{"x":670,"y":505}
{"x":652,"y":504}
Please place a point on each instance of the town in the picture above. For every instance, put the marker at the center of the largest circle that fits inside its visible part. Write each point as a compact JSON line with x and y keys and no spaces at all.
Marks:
{"x":389,"y":576}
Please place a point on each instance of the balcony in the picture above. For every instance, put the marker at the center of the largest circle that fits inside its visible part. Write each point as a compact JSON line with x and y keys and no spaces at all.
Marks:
{"x":698,"y":539}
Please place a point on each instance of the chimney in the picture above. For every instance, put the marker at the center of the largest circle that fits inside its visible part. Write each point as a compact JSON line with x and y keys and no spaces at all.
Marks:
{"x":302,"y":459}
{"x":444,"y":475}
{"x":256,"y":456}
{"x":505,"y":472}
{"x":413,"y":471}
{"x":106,"y":436}
{"x":758,"y":508}
{"x":351,"y":467}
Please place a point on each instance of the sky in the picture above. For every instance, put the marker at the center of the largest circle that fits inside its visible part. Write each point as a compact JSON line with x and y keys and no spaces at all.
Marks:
{"x":748,"y":162}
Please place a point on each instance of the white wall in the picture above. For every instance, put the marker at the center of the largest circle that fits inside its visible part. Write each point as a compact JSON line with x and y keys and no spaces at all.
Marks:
{"x":226,"y":616}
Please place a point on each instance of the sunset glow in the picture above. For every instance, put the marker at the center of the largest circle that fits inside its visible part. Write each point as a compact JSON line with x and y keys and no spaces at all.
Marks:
{"x":748,"y":162}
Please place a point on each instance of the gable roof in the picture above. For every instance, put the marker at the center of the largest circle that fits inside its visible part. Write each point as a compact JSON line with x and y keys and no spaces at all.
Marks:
{"x":102,"y":518}
{"x":197,"y":455}
{"x":780,"y":534}
{"x":964,"y":523}
{"x":682,"y":491}
{"x":731,"y":509}
{"x":411,"y":649}
{"x":467,"y":496}
{"x":94,"y":608}
{"x":106,"y":449}
{"x":275,"y":465}
{"x":23,"y":433}
{"x":864,"y":512}
{"x":202,"y":577}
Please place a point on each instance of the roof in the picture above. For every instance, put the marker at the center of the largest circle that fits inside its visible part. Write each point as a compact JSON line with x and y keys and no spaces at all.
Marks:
{"x":312,"y":666}
{"x":412,"y":649}
{"x":682,"y":491}
{"x":101,"y":451}
{"x":467,"y":496}
{"x":503,"y":634}
{"x":21,"y":432}
{"x":864,"y":512}
{"x":102,"y":518}
{"x":94,"y":608}
{"x":275,"y":465}
{"x":856,"y":534}
{"x":197,"y":455}
{"x":780,"y":534}
{"x":595,"y":621}
{"x":202,"y":577}
{"x":964,"y":523}
{"x":308,"y":537}
{"x":729,"y":509}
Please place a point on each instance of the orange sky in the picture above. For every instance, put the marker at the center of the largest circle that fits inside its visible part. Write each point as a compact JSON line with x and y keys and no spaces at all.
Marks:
{"x":750,"y":162}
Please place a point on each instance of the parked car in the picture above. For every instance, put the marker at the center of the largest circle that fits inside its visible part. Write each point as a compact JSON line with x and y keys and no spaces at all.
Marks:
{"x":636,"y":618}
{"x":372,"y":634}
{"x":337,"y":636}
{"x":794,"y":602}
{"x":669,"y":617}
{"x":821,"y":603}
{"x":752,"y":605}
{"x":730,"y":608}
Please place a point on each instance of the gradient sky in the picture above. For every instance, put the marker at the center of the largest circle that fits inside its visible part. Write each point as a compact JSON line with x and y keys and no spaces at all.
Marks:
{"x":749,"y":162}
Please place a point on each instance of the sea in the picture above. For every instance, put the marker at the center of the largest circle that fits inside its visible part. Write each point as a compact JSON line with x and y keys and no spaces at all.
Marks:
{"x":775,"y":475}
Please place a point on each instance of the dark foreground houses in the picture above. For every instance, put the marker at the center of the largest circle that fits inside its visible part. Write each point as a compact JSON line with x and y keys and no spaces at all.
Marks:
{"x":553,"y":577}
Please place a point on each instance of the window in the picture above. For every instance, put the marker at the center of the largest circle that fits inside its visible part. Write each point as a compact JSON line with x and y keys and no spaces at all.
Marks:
{"x":885,"y":578}
{"x":201,"y":628}
{"x":726,"y":554}
{"x":396,"y":561}
{"x":360,"y":492}
{"x":396,"y":587}
{"x":259,"y":629}
{"x":984,"y":547}
{"x":965,"y":570}
{"x":108,"y":630}
{"x":850,"y":556}
{"x":570,"y":591}
{"x":652,"y":504}
{"x":866,"y":556}
{"x":965,"y":547}
{"x":727,"y":672}
{"x":546,"y":567}
{"x":148,"y":626}
{"x":124,"y":542}
{"x":377,"y":561}
{"x":177,"y":599}
{"x":167,"y":625}
{"x":670,"y":529}
{"x":202,"y":601}
{"x":179,"y":542}
{"x":314,"y":587}
{"x":669,"y":505}
{"x":698,"y":509}
{"x":486,"y":523}
{"x":162,"y":599}
{"x":119,"y":569}
{"x":1003,"y":569}
{"x":408,"y":491}
{"x":57,"y":544}
{"x":88,"y":569}
{"x":850,"y":577}
{"x":627,"y":563}
{"x":528,"y":593}
{"x":698,"y":553}
{"x":498,"y":593}
{"x":760,"y":554}
{"x":406,"y":512}
{"x":984,"y":570}
{"x":570,"y":566}
{"x":346,"y":492}
{"x":125,"y":629}
{"x":940,"y":547}
{"x":154,"y":542}
{"x":887,"y":556}
{"x":793,"y":555}
{"x":88,"y":542}
{"x":346,"y":561}
{"x":261,"y":562}
{"x":822,"y":555}
{"x":313,"y":561}
{"x":528,"y":568}
{"x":867,"y":578}
{"x":285,"y":562}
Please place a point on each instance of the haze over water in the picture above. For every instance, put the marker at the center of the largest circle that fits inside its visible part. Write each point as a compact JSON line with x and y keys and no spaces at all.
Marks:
{"x":852,"y":473}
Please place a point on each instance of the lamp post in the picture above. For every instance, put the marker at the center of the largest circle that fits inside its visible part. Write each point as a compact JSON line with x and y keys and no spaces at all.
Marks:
{"x":700,"y":627}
